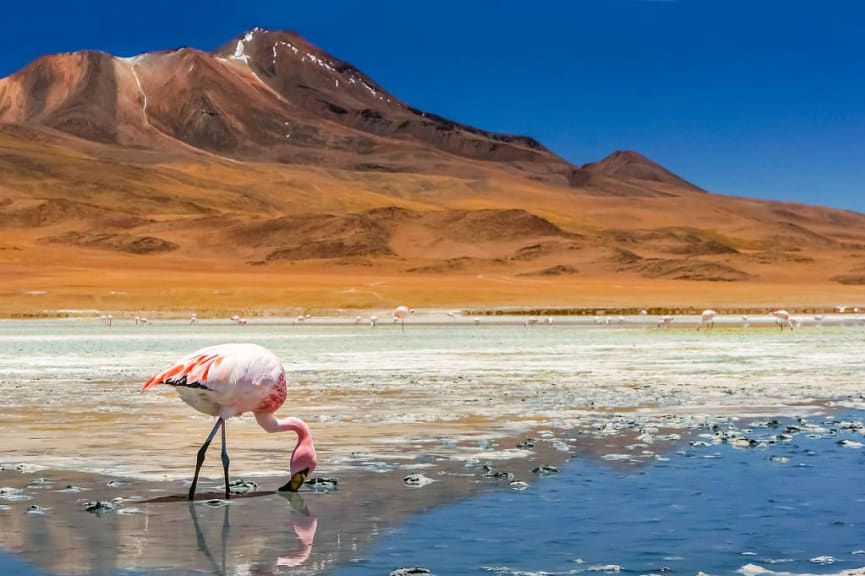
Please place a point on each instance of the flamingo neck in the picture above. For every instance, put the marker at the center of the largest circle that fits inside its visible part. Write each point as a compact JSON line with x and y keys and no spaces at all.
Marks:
{"x":270,"y":423}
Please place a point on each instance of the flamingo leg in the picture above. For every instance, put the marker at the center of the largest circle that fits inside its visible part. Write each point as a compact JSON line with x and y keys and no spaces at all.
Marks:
{"x":200,"y":458}
{"x":225,"y":461}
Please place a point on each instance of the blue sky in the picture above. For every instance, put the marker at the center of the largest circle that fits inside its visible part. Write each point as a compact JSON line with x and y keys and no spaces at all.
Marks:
{"x":758,"y":98}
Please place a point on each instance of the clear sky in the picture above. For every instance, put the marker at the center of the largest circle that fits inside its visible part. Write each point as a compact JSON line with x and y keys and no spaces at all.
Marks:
{"x":761,"y":98}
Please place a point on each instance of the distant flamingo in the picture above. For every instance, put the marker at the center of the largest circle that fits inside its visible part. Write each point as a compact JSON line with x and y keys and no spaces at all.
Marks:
{"x":666,"y":321}
{"x":707,"y":319}
{"x":373,"y":320}
{"x":238,"y":320}
{"x":229,"y":379}
{"x":400,"y":313}
{"x":782,"y":318}
{"x":194,"y":319}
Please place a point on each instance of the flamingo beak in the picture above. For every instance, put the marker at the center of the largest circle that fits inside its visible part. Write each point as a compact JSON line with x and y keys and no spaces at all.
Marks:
{"x":296,"y":481}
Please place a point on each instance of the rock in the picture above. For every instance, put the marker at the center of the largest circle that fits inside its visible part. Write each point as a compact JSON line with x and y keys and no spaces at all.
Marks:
{"x":545,"y":470}
{"x":14,"y":495}
{"x":417,"y":480}
{"x":491,"y":473}
{"x":849,"y":444}
{"x":323,"y":484}
{"x":40,"y":483}
{"x":526,"y":444}
{"x":413,"y":571}
{"x":518,"y":485}
{"x":98,"y":507}
{"x":242,"y":487}
{"x":35,"y":510}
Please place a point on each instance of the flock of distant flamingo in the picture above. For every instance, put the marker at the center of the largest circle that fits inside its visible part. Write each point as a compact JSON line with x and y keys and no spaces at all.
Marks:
{"x":782,"y":319}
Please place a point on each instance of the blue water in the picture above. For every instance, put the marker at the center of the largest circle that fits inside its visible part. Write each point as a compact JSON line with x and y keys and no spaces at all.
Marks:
{"x":712,"y":508}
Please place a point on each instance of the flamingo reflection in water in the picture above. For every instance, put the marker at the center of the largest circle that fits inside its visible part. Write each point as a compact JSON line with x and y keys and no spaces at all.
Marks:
{"x":303,"y":523}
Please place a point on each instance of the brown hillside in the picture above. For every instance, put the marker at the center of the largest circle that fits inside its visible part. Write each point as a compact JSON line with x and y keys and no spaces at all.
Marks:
{"x":270,"y":174}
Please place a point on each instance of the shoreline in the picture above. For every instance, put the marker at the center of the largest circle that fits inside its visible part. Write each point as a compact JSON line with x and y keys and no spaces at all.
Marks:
{"x":435,"y":314}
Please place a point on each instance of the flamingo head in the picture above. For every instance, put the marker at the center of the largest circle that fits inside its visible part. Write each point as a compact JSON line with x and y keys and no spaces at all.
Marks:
{"x":303,"y":461}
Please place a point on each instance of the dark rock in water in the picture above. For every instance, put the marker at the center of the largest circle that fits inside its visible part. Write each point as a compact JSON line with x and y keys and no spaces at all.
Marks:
{"x":849,"y":443}
{"x":216,"y":503}
{"x":99,"y":507}
{"x":490,"y":472}
{"x":526,"y":444}
{"x":322,"y":483}
{"x":35,"y":510}
{"x":545,"y":470}
{"x":117,"y":483}
{"x":416,"y":480}
{"x":413,"y":571}
{"x":242,"y":487}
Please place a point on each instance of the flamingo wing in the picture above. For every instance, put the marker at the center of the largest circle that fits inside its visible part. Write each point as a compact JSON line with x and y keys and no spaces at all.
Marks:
{"x":191,"y":371}
{"x":221,"y":368}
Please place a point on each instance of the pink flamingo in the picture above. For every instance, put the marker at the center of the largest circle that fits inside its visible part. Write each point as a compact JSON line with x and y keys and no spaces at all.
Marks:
{"x":782,"y":318}
{"x":229,"y":379}
{"x":400,"y":313}
{"x":707,"y":318}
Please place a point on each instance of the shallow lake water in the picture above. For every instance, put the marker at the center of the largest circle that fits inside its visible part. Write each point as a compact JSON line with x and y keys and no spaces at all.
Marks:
{"x":791,"y":507}
{"x":671,"y":444}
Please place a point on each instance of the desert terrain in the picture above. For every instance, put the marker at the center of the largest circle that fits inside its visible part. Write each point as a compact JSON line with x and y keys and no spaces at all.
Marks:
{"x":269,"y":177}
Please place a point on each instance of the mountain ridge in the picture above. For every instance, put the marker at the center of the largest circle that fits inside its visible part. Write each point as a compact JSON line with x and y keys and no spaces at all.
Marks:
{"x":263,"y":96}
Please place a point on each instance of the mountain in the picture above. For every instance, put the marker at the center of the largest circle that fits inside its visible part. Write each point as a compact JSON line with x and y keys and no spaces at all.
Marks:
{"x":265,"y":96}
{"x":270,"y":157}
{"x":630,"y":165}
